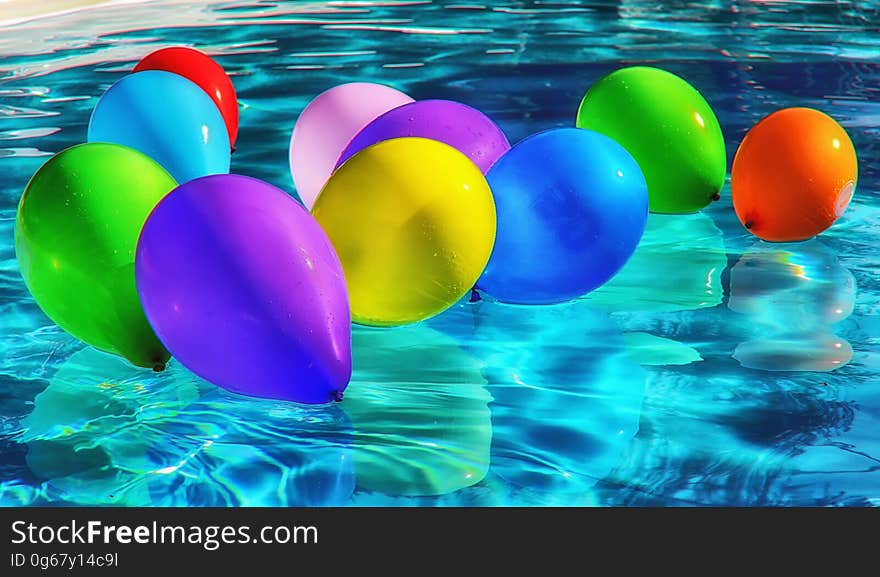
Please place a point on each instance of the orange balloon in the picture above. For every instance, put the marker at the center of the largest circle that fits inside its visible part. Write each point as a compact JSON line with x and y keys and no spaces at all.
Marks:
{"x":793,"y":175}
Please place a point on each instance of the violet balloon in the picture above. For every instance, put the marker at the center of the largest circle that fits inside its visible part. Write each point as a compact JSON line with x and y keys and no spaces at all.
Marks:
{"x":243,"y":287}
{"x":458,"y":125}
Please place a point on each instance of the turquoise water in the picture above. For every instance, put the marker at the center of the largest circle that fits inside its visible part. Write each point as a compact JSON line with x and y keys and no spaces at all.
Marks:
{"x":715,"y":369}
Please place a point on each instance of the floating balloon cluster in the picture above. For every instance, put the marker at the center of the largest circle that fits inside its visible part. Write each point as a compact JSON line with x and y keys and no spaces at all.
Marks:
{"x":142,"y":244}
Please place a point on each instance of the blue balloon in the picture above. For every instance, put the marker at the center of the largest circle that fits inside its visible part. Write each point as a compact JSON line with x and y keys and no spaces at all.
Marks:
{"x":166,"y":117}
{"x":572,"y":205}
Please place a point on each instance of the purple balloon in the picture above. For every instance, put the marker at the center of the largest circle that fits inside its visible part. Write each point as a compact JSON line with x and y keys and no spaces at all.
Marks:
{"x":458,"y":125}
{"x":243,"y":287}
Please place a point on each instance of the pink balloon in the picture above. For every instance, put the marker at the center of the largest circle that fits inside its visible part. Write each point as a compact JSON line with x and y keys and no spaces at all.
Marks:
{"x":328,"y":124}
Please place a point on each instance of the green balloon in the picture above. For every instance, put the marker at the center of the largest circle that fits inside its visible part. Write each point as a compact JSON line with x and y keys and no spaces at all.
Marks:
{"x":75,"y":236}
{"x":669,"y":129}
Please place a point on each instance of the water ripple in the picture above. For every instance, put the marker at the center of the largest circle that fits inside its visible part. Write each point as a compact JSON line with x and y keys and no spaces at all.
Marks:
{"x":28,"y":133}
{"x":23,"y":153}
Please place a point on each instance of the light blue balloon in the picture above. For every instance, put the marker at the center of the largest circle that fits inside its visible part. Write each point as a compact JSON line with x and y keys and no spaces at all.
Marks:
{"x":572,"y":206}
{"x":166,"y":117}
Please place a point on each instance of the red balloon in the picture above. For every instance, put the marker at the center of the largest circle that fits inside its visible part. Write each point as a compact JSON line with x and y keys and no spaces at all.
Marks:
{"x":201,"y":69}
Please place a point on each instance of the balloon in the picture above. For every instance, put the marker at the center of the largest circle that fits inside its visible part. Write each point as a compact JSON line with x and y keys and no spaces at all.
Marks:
{"x":572,"y":205}
{"x":75,"y":235}
{"x":203,"y":70}
{"x":681,"y":257}
{"x":413,"y":222}
{"x":166,"y":117}
{"x":464,"y":128}
{"x":668,"y":128}
{"x":793,"y":175}
{"x":327,"y":125}
{"x":244,"y":289}
{"x":420,"y":412}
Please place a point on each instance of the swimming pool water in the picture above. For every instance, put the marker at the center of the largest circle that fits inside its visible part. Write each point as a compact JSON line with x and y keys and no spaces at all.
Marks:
{"x":715,"y":369}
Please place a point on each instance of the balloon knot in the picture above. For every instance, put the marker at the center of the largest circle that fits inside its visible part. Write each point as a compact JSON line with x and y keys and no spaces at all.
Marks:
{"x":475,"y":296}
{"x":158,"y":367}
{"x":337,"y":396}
{"x":231,"y":149}
{"x":748,"y":224}
{"x":716,"y":196}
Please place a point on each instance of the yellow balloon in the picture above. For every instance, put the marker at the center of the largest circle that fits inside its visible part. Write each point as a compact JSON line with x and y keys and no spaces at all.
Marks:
{"x":413,"y":222}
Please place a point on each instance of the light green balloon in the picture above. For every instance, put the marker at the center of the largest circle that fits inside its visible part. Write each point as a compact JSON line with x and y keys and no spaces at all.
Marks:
{"x":75,"y":236}
{"x":420,"y":412}
{"x":669,"y":129}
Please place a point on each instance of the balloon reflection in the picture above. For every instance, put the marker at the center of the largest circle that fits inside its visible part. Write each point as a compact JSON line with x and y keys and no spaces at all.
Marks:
{"x":86,"y":435}
{"x":792,"y":294}
{"x":420,"y":412}
{"x":807,"y":353}
{"x":566,"y":396}
{"x":104,"y":432}
{"x":648,"y":350}
{"x":680,"y":257}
